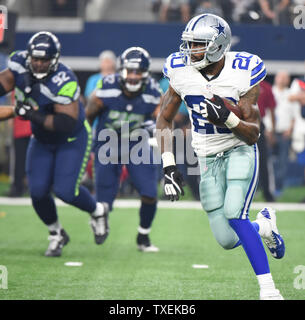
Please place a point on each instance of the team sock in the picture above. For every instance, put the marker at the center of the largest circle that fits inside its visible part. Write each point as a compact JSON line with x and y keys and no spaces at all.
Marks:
{"x":265,"y":282}
{"x":46,"y":209}
{"x":252,"y":244}
{"x":147,"y":214}
{"x":56,"y":226}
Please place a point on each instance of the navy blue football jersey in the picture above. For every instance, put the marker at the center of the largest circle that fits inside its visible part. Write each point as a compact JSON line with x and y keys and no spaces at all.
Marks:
{"x":118,"y":108}
{"x":60,"y":87}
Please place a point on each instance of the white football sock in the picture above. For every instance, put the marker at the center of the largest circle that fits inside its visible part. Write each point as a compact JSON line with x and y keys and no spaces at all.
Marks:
{"x":265,"y":282}
{"x":264,"y":227}
{"x":143,"y":230}
{"x":99,"y":211}
{"x":56,"y":226}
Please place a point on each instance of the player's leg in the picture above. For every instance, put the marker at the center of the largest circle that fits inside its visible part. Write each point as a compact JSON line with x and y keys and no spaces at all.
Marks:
{"x":107,"y":181}
{"x":212,"y":195}
{"x":70,"y":164}
{"x":241,"y":179}
{"x":39,"y":169}
{"x":145,"y":180}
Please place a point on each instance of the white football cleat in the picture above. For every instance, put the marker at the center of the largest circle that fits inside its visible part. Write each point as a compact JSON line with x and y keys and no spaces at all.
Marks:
{"x":273,"y":239}
{"x":99,"y":223}
{"x":270,"y":295}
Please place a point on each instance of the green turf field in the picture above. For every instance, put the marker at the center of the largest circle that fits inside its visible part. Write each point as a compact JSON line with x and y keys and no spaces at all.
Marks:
{"x":117,"y":271}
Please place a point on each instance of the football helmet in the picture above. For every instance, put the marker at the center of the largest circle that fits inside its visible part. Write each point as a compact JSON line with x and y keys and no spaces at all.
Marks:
{"x":43,"y":45}
{"x":134,"y":68}
{"x":215,"y":35}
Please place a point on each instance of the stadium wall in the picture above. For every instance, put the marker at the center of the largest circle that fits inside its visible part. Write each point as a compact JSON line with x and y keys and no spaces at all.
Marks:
{"x":280,"y":47}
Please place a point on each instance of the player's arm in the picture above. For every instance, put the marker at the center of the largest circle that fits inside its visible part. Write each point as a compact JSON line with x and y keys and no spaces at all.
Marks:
{"x":173,"y":184}
{"x":7,"y":82}
{"x":248,"y":128}
{"x":93,"y":107}
{"x":156,"y":111}
{"x":6,"y":112}
{"x":169,"y":106}
{"x":63,"y":120}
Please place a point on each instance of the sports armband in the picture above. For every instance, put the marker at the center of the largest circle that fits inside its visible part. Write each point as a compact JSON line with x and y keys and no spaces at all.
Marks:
{"x":63,"y":123}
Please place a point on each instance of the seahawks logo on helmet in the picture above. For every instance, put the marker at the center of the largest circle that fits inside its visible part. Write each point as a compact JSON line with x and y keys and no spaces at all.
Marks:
{"x":137,"y":60}
{"x":215,"y":35}
{"x":43,"y":45}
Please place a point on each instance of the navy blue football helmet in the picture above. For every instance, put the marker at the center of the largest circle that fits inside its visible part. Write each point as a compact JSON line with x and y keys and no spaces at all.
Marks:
{"x":43,"y":45}
{"x":137,"y":60}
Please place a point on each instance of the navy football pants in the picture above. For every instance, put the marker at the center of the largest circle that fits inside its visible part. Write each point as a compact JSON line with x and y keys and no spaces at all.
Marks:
{"x":107,"y":180}
{"x":58,"y":168}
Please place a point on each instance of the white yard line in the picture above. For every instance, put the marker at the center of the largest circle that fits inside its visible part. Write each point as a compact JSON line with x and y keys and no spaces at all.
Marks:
{"x":163,"y":204}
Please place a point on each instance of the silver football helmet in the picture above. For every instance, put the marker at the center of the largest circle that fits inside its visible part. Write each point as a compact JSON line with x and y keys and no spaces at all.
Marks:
{"x":215,"y":35}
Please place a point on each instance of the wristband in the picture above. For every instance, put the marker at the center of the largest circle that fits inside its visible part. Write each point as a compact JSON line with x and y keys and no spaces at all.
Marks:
{"x":232,"y":120}
{"x":168,"y":159}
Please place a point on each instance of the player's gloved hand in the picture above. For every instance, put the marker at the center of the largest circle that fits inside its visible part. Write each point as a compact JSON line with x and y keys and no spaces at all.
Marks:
{"x":150,"y":126}
{"x":214,"y":109}
{"x":23,"y":110}
{"x":29,"y":113}
{"x":173,"y":183}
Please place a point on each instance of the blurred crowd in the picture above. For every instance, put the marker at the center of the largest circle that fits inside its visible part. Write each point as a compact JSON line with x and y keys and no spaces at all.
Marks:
{"x":233,"y":11}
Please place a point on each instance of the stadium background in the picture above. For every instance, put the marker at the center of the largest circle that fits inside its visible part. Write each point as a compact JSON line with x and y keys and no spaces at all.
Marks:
{"x":85,"y":28}
{"x":116,"y":270}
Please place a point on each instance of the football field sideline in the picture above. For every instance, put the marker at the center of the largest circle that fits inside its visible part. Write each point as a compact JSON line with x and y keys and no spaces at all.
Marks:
{"x":164,"y":204}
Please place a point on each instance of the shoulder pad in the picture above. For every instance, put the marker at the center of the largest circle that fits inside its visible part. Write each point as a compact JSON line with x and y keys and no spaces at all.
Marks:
{"x":16,"y":62}
{"x":109,"y":81}
{"x":257,"y":69}
{"x":251,"y":66}
{"x":108,"y":87}
{"x":63,"y":86}
{"x":172,"y":62}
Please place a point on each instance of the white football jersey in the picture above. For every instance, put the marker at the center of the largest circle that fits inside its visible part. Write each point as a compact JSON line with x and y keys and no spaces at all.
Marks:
{"x":240,"y":73}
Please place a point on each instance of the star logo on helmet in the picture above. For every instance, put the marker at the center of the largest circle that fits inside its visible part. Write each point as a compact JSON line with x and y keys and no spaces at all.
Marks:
{"x":220,"y":29}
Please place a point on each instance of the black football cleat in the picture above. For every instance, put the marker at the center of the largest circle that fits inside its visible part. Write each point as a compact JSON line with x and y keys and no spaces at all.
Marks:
{"x":144,"y":244}
{"x":57,"y":241}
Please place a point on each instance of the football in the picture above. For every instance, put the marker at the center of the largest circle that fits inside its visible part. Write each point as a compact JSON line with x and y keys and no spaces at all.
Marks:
{"x":232,"y":107}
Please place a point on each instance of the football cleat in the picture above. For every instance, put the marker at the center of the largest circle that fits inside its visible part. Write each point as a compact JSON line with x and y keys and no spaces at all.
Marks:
{"x":270,"y":295}
{"x":273,"y":240}
{"x":100,"y":226}
{"x":57,"y":241}
{"x":144,"y":244}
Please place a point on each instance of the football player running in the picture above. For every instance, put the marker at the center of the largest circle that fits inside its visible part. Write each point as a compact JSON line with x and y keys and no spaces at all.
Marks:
{"x":201,"y":74}
{"x":130,"y":98}
{"x":47,"y":94}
